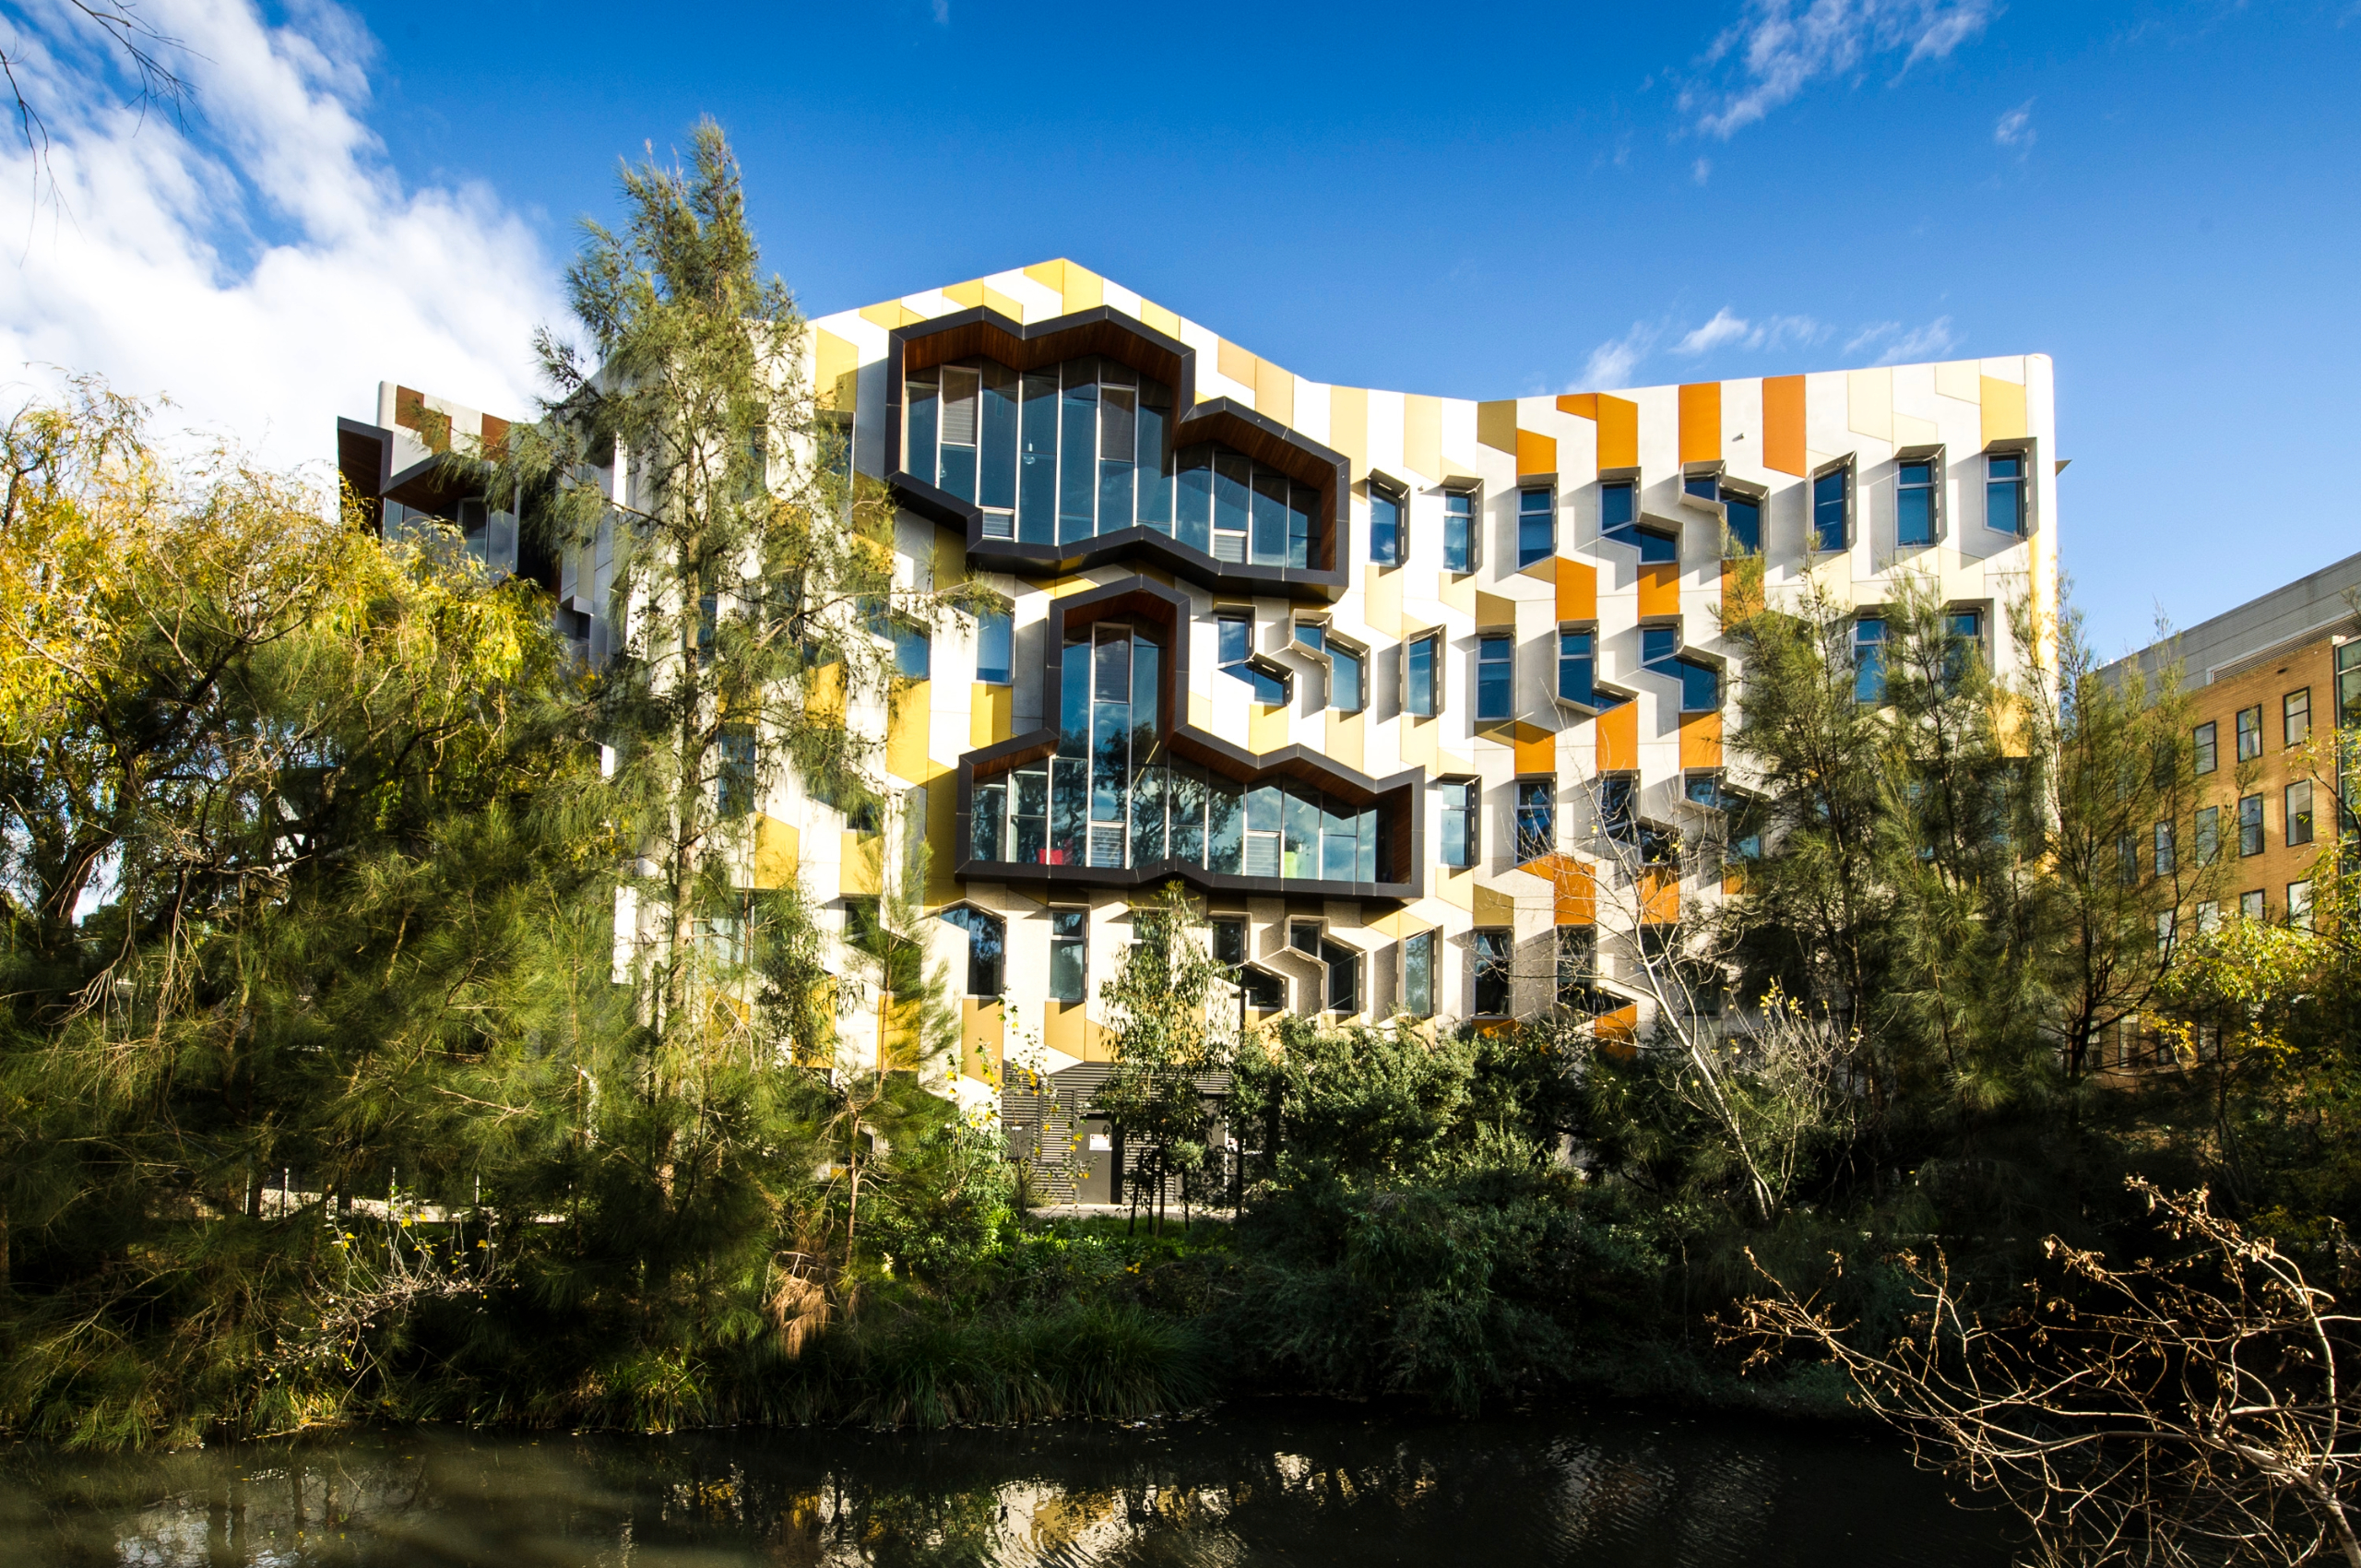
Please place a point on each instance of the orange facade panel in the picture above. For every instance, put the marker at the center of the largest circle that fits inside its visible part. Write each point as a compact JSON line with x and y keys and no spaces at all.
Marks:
{"x":1659,"y":589}
{"x":1619,"y":433}
{"x":1783,"y":424}
{"x":1577,"y":590}
{"x":1537,"y":749}
{"x":1701,"y":741}
{"x":1618,"y":739}
{"x":1581,"y":405}
{"x":1536,"y":453}
{"x":1700,"y":422}
{"x":1659,"y":897}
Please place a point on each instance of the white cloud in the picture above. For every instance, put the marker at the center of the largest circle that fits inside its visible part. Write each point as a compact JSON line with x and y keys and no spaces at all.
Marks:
{"x":1702,"y":171}
{"x":1611,"y":364}
{"x":1729,"y":329}
{"x":943,"y":13}
{"x":262,"y":265}
{"x":1780,"y":47}
{"x":2015,"y":128}
{"x":1894,"y":345}
{"x":1724,"y":328}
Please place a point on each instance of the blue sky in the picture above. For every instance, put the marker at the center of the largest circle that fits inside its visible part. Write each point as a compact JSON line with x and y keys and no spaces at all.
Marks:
{"x":1480,"y":201}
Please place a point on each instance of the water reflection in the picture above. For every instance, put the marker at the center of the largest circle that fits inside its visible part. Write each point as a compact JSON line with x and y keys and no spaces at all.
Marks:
{"x":1287,"y":1484}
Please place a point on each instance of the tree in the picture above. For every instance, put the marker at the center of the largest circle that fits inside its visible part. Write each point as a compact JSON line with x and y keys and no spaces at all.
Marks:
{"x":1164,"y":1042}
{"x":2194,"y":1409}
{"x":2121,"y":847}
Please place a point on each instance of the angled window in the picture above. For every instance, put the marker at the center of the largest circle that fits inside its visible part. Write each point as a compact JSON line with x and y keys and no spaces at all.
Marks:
{"x":1344,"y":965}
{"x":1459,"y":531}
{"x":1460,"y":822}
{"x":1536,"y":526}
{"x":1914,"y":504}
{"x":2251,"y":833}
{"x":1868,"y":659}
{"x":1494,"y":971}
{"x":1962,"y":643}
{"x":1422,"y":675}
{"x":2209,"y":753}
{"x":1700,"y":683}
{"x":1578,"y":969}
{"x":1418,"y":975}
{"x":1265,"y":992}
{"x":2296,"y":717}
{"x":987,"y":947}
{"x":1619,"y":515}
{"x":2004,"y":493}
{"x":1619,"y":806}
{"x":995,"y":644}
{"x":1069,"y":954}
{"x":1386,"y":540}
{"x":1495,"y":679}
{"x":735,"y":786}
{"x":1537,"y":818}
{"x":2299,"y":813}
{"x":1742,"y":515}
{"x":1703,"y":788}
{"x":1234,"y":654}
{"x":2249,"y":723}
{"x":1577,"y":668}
{"x":1832,"y":507}
{"x":1229,"y":939}
{"x":1347,"y":678}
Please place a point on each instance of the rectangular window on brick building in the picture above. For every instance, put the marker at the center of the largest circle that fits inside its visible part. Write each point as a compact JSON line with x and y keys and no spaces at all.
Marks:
{"x":2299,"y":806}
{"x":2296,"y":718}
{"x":2250,"y":824}
{"x":2209,"y":753}
{"x":2250,"y":732}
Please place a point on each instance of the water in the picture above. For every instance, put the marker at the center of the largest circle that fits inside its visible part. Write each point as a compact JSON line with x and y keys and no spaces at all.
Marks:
{"x":1256,"y":1484}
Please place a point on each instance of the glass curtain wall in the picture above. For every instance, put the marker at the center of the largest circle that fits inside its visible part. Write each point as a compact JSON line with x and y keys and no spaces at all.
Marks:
{"x":1110,"y":797}
{"x":1072,"y":451}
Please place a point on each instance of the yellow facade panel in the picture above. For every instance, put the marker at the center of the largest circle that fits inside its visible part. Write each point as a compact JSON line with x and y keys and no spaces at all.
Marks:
{"x":2004,"y":411}
{"x":983,"y":1037}
{"x":1083,"y":288}
{"x":1348,"y":426}
{"x":1266,"y":727}
{"x":1162,"y":320}
{"x":1496,"y":426}
{"x":890,"y":315}
{"x":836,"y":370}
{"x":1236,"y":362}
{"x":1493,"y":610}
{"x":861,"y":865}
{"x":1347,"y":740}
{"x":1382,"y":602}
{"x":991,"y":714}
{"x":777,"y":853}
{"x":905,"y":732}
{"x":1492,"y":906}
{"x":1423,"y":435}
{"x":1274,"y":392}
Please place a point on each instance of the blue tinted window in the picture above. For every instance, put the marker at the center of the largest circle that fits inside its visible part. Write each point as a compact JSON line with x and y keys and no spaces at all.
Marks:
{"x":1577,"y":669}
{"x":919,"y":460}
{"x":1701,"y":687}
{"x":1078,"y":451}
{"x":1658,"y":643}
{"x":1537,"y":818}
{"x":1194,"y":499}
{"x":1036,"y":460}
{"x":1235,"y":635}
{"x":1868,"y":659}
{"x":1616,"y":511}
{"x":1536,"y":527}
{"x":1459,"y":533}
{"x":997,"y":445}
{"x":1346,"y":689}
{"x":1744,"y":516}
{"x":2004,"y":493}
{"x":1495,"y":678}
{"x":1419,"y":684}
{"x":1828,"y":511}
{"x":1458,"y":798}
{"x":1269,"y":518}
{"x":1703,"y":484}
{"x":1914,"y":513}
{"x":995,"y":642}
{"x":1418,"y":975}
{"x":1384,"y":528}
{"x":1657,"y":549}
{"x":1069,"y":954}
{"x":1117,"y":435}
{"x":735,"y":790}
{"x":1155,"y":462}
{"x":1231,"y":493}
{"x":1301,"y":499}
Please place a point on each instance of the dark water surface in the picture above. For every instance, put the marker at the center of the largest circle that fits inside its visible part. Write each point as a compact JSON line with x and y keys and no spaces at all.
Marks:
{"x":1256,"y":1484}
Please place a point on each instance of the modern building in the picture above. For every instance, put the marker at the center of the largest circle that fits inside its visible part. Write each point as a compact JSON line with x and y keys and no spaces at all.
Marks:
{"x":2272,"y":683}
{"x":1371,"y":673}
